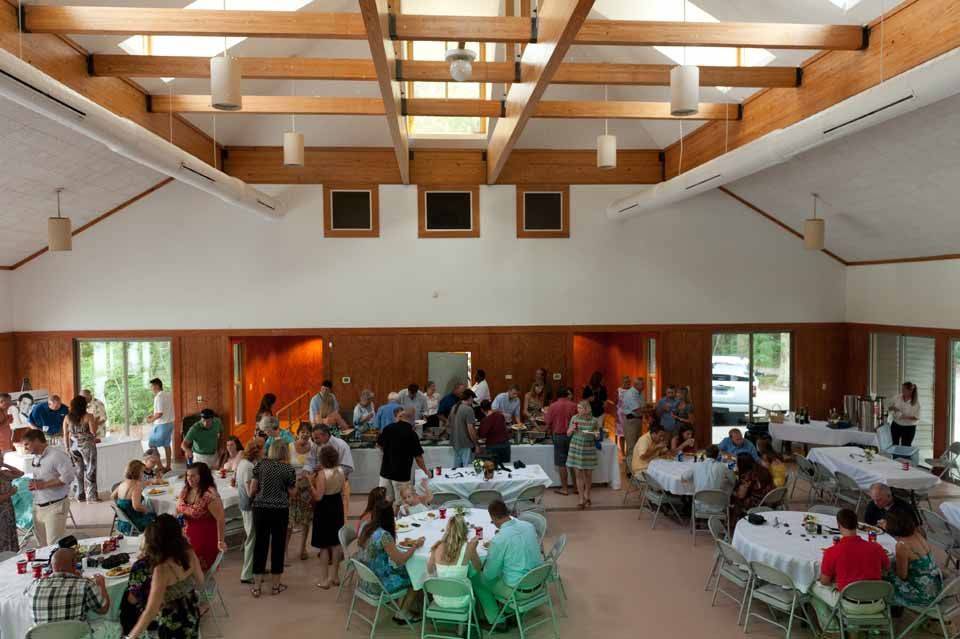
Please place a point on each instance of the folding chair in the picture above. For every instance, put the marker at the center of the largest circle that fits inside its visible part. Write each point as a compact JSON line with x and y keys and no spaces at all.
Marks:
{"x":942,"y":534}
{"x":865,"y":595}
{"x":120,"y":516}
{"x":59,"y":630}
{"x":437,"y":614}
{"x":824,"y":484}
{"x":211,"y":592}
{"x":734,"y":569}
{"x":943,"y":608}
{"x":484,"y":497}
{"x":776,"y":499}
{"x":439,"y":499}
{"x":848,"y":491}
{"x":947,"y":461}
{"x":530,"y":593}
{"x":778,"y":591}
{"x":23,"y":511}
{"x":530,"y":499}
{"x":706,"y":505}
{"x":347,"y":535}
{"x":539,"y":522}
{"x":553,"y":557}
{"x":657,"y":495}
{"x":824,"y":509}
{"x":458,"y":503}
{"x":805,"y":473}
{"x":635,"y":484}
{"x":370,"y":589}
{"x":718,"y":530}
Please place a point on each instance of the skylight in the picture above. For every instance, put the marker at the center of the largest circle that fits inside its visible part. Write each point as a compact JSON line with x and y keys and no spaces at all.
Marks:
{"x":203,"y":46}
{"x":846,"y":5}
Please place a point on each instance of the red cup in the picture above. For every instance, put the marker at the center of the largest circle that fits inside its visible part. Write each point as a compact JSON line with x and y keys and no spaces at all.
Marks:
{"x":479,"y":531}
{"x":439,"y":471}
{"x":223,"y":473}
{"x":37,"y":570}
{"x":31,"y":554}
{"x":21,"y":566}
{"x":443,"y":513}
{"x":905,"y":465}
{"x":872,"y":536}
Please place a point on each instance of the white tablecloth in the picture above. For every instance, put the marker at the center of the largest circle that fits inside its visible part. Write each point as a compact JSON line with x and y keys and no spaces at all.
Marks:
{"x":366,"y":463}
{"x":113,"y":453}
{"x":463,"y":481}
{"x":796,"y":554}
{"x":16,"y":611}
{"x":166,"y":502}
{"x":673,"y":475}
{"x":851,"y":461}
{"x":951,"y":512}
{"x":817,"y":433}
{"x":431,"y":528}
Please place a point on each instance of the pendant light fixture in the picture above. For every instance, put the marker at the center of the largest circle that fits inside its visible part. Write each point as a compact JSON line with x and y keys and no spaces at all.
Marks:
{"x":461,"y":62}
{"x":225,"y":92}
{"x":814,"y":229}
{"x":59,"y":231}
{"x":684,"y":84}
{"x":292,"y":140}
{"x":606,"y":144}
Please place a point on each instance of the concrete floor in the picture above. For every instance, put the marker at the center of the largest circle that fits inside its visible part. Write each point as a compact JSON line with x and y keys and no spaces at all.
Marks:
{"x":623,"y":580}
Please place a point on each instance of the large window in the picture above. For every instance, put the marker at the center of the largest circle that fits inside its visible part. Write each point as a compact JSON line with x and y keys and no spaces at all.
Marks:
{"x":421,"y":126}
{"x":119,"y":373}
{"x":895,"y":359}
{"x":750,"y":375}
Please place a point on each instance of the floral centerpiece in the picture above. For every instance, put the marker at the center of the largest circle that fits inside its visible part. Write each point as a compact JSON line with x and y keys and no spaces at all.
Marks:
{"x":478,"y":466}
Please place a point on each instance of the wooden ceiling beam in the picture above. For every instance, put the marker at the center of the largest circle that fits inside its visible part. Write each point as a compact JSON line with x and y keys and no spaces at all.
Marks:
{"x":558,"y":22}
{"x":78,"y":20}
{"x":376,"y":19}
{"x":354,"y":69}
{"x":316,"y":105}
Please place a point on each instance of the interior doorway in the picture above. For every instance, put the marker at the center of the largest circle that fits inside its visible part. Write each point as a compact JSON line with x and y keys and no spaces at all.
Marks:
{"x":446,"y":370}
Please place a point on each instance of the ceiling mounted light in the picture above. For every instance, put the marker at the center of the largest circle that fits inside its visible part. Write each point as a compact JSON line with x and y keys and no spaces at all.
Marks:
{"x":225,"y":92}
{"x":684,"y":84}
{"x":606,"y":145}
{"x":293,"y":140}
{"x":461,"y":62}
{"x":59,"y":231}
{"x":814,"y":230}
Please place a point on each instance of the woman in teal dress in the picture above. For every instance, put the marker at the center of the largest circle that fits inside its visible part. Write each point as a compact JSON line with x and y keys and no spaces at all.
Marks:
{"x":915,"y":575}
{"x":128,"y":496}
{"x":380,"y":552}
{"x":582,"y":457}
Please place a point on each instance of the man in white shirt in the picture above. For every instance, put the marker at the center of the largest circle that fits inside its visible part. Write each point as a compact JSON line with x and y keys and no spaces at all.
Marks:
{"x":162,"y":418}
{"x":51,"y":471}
{"x":411,"y":397}
{"x":713,"y":474}
{"x":322,"y":437}
{"x":96,"y":408}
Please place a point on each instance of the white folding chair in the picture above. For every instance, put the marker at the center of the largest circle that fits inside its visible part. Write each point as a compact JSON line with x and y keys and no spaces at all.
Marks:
{"x":735,"y":570}
{"x":657,"y":495}
{"x":708,"y":504}
{"x":484,"y":497}
{"x":211,"y":592}
{"x":347,"y":535}
{"x":530,"y":499}
{"x":778,"y":591}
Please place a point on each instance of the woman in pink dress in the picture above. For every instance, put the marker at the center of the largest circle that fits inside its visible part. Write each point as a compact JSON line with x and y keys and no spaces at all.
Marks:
{"x":202,"y":511}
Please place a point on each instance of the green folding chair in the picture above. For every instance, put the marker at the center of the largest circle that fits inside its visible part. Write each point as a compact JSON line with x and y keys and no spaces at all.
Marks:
{"x":706,"y":505}
{"x":537,"y":520}
{"x":860,"y":594}
{"x":778,"y":591}
{"x":733,"y":569}
{"x":553,"y":557}
{"x":943,"y":608}
{"x":437,"y":614}
{"x":60,"y":630}
{"x":530,"y":593}
{"x":370,"y":589}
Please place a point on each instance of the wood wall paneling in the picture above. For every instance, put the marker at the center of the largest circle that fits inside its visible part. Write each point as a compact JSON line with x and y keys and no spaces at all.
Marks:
{"x":47,"y":360}
{"x":8,"y":363}
{"x":819,"y":376}
{"x":286,"y":366}
{"x":685,"y":361}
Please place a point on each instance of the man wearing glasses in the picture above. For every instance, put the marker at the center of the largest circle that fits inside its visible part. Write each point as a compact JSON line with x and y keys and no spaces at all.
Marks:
{"x":51,"y":475}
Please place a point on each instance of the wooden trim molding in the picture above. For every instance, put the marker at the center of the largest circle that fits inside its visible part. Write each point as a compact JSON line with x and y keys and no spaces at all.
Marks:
{"x":564,"y":192}
{"x":907,"y":260}
{"x":422,"y":230}
{"x":372,"y":189}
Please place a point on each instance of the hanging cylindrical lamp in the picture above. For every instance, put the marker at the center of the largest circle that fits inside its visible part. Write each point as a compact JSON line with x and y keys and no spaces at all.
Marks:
{"x":606,"y":145}
{"x":59,"y":231}
{"x":814,"y":230}
{"x":225,"y":74}
{"x":292,"y":139}
{"x":684,"y":84}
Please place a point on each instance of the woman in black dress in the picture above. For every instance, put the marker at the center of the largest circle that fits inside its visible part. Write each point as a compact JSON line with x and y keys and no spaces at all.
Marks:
{"x":328,"y":516}
{"x":596,"y":393}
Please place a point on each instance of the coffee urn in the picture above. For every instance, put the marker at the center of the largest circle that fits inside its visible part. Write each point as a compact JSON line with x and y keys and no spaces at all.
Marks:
{"x":851,"y":408}
{"x":872,"y":413}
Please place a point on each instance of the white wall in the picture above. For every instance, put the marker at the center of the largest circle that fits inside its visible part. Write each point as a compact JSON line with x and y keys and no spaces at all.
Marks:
{"x":182,"y":259}
{"x":912,"y":294}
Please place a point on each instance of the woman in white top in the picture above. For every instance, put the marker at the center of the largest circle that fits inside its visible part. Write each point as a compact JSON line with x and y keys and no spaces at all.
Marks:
{"x":480,"y":387}
{"x":433,"y":399}
{"x":364,"y":412}
{"x":906,"y":413}
{"x":451,"y":557}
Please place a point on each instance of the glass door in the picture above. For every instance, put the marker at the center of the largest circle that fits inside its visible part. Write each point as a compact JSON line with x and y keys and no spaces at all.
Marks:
{"x":954,"y":389}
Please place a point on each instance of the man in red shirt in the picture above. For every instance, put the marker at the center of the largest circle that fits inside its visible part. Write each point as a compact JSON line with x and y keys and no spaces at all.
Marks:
{"x":853,"y":559}
{"x":493,"y":429}
{"x":557,"y":418}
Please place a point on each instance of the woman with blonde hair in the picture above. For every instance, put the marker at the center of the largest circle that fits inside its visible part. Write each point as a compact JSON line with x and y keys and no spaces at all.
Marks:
{"x":451,"y":558}
{"x":271,"y":487}
{"x":582,"y":457}
{"x":683,"y":413}
{"x":128,"y":495}
{"x":364,"y":411}
{"x":330,"y":417}
{"x":533,"y":403}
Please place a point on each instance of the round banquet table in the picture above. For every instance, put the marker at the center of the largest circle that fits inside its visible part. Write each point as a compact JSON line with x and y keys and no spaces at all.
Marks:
{"x":16,"y":591}
{"x":166,"y":501}
{"x":431,"y":529}
{"x":463,"y":481}
{"x":880,"y":470}
{"x":797,"y":554}
{"x":675,"y":476}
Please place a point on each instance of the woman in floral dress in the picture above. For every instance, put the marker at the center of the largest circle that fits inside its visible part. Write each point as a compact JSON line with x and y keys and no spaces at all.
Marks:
{"x":915,"y":576}
{"x":301,"y":504}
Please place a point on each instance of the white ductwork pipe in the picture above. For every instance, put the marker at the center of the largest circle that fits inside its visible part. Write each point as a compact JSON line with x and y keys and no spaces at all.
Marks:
{"x":31,"y":88}
{"x":930,"y":82}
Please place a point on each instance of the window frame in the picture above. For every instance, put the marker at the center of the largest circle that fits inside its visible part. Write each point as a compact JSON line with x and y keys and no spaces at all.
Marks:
{"x":482,"y":94}
{"x":372,"y":189}
{"x":751,"y":404}
{"x":424,"y":232}
{"x":563,"y":232}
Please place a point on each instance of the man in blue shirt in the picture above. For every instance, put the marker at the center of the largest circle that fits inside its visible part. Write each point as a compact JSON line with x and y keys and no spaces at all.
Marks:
{"x":735,"y":444}
{"x":665,"y":408}
{"x":514,"y":551}
{"x":48,"y":417}
{"x":450,"y":400}
{"x":386,"y":414}
{"x":509,"y":404}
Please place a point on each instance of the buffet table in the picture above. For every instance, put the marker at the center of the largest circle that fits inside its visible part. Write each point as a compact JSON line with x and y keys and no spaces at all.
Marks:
{"x":366,"y":468}
{"x":113,"y":453}
{"x":817,"y":432}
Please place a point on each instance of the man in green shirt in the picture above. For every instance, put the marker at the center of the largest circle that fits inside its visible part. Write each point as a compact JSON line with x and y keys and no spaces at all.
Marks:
{"x":513,"y":552}
{"x":202,"y":442}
